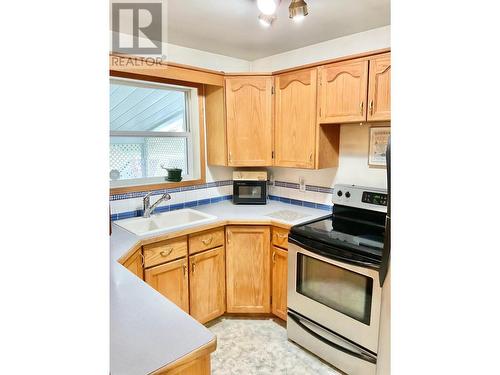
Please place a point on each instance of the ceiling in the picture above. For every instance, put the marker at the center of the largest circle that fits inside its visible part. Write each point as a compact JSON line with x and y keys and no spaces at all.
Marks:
{"x":231,"y":27}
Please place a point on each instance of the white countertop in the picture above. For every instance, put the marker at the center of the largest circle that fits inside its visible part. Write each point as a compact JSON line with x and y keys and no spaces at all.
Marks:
{"x":147,"y":331}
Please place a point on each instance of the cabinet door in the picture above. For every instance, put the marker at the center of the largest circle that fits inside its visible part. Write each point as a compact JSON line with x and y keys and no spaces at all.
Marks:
{"x":135,"y":264}
{"x":295,"y":126}
{"x":171,"y":280}
{"x":248,"y":274}
{"x":379,"y":88}
{"x":207,"y":289}
{"x":249,"y":120}
{"x":343,"y":90}
{"x":279,"y":281}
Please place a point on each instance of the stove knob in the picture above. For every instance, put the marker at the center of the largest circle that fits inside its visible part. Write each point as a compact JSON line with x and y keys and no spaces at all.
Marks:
{"x":347,"y":194}
{"x":339,"y":193}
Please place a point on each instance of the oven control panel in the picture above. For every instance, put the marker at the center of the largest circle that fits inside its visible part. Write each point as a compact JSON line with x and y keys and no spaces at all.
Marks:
{"x":374,"y":198}
{"x":361,"y":197}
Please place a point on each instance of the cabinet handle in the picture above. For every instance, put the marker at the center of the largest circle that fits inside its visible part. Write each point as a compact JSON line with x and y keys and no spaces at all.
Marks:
{"x":193,"y":267}
{"x":274,"y":256}
{"x":281,"y":236}
{"x":142,"y":260}
{"x":361,"y":106}
{"x":184,"y":266}
{"x":371,"y":107}
{"x":230,"y":156}
{"x":166,"y":253}
{"x":311,"y":156}
{"x":228,"y":239}
{"x":208,"y":241}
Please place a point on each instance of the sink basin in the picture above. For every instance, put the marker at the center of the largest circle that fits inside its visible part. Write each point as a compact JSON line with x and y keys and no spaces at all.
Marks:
{"x":165,"y":221}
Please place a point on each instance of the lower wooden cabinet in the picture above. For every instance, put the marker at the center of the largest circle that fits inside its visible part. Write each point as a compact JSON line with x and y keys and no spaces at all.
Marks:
{"x":207,"y":289}
{"x":134,"y":264}
{"x":171,"y":280}
{"x":248,"y":274}
{"x":279,"y":282}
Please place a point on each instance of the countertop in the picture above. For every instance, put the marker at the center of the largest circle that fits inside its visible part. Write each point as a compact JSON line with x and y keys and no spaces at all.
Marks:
{"x":147,"y":331}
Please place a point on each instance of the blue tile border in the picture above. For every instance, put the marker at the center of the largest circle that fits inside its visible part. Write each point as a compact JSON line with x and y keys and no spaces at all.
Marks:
{"x":297,"y":202}
{"x":172,"y":207}
{"x":292,"y":185}
{"x":140,"y":194}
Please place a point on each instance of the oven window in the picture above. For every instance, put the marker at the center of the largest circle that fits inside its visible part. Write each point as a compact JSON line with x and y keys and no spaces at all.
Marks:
{"x":345,"y":291}
{"x":250,"y":192}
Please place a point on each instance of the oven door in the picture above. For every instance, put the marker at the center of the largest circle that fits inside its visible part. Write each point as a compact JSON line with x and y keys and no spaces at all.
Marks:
{"x":249,"y":192}
{"x":343,"y":298}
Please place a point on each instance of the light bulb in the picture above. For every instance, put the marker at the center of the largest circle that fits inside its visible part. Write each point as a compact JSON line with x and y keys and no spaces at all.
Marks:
{"x":267,"y":7}
{"x":298,"y":18}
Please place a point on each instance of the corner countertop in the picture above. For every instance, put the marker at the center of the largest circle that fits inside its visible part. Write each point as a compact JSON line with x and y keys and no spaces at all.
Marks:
{"x":147,"y":331}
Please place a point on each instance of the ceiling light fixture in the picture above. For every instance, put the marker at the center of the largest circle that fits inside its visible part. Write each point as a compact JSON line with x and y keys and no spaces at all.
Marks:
{"x":266,"y":20}
{"x":298,"y":10}
{"x":268,"y":7}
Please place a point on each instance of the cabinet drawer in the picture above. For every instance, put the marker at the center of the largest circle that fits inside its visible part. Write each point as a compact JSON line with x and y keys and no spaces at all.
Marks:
{"x":165,"y":251}
{"x":206,"y":240}
{"x":280,"y":237}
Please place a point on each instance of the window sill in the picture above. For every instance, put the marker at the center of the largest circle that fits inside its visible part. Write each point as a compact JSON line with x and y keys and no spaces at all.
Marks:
{"x":159,"y":186}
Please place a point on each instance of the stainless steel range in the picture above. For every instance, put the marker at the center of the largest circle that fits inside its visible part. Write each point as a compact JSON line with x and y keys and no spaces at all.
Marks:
{"x":334,"y":292}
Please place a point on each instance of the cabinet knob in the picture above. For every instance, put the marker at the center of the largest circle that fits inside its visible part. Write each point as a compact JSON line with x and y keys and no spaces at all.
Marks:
{"x":361,"y":107}
{"x":371,"y":107}
{"x":274,"y":256}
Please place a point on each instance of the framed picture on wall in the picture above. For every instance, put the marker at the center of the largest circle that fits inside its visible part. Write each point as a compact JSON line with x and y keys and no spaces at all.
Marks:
{"x":379,"y":137}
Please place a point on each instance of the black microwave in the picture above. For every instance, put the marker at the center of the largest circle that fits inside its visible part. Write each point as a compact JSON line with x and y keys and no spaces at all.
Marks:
{"x":249,"y":187}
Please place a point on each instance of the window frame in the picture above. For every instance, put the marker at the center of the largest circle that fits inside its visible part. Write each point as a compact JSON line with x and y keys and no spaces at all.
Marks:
{"x":201,"y":136}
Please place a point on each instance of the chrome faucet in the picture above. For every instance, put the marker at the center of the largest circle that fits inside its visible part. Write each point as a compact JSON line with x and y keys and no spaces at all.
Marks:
{"x":146,"y":203}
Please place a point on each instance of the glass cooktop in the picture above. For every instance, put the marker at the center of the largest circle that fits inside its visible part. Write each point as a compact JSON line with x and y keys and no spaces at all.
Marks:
{"x":357,"y":236}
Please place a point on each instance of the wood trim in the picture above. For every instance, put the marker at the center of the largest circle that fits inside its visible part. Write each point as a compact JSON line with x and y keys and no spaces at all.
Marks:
{"x":337,"y":59}
{"x":163,"y":69}
{"x":203,"y":350}
{"x":201,"y":112}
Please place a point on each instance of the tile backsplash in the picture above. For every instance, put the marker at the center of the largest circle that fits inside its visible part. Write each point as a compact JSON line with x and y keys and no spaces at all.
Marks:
{"x":130,"y":204}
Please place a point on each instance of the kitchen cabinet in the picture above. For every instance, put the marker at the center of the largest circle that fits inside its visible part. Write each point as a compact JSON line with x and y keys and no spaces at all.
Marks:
{"x":207,"y":284}
{"x":165,"y":251}
{"x":295,"y":119}
{"x":279,"y":282}
{"x":342,"y":91}
{"x":249,"y":120}
{"x":171,"y":280}
{"x":206,"y":240}
{"x":134,"y":264}
{"x":379,"y":88}
{"x":248,"y":274}
{"x":215,"y":116}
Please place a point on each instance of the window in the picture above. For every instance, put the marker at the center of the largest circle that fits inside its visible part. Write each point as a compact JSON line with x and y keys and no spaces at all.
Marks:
{"x":152,"y":127}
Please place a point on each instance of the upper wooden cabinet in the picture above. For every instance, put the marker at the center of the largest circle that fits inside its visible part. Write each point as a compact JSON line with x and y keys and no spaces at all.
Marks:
{"x":171,"y":280}
{"x":249,"y":120}
{"x":207,"y":285}
{"x":379,"y":88}
{"x":248,"y":273}
{"x":342,"y":91}
{"x":295,"y":125}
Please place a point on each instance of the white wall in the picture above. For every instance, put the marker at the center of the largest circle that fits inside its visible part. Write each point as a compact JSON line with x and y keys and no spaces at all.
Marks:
{"x":207,"y":60}
{"x":348,"y":45}
{"x":353,"y":164}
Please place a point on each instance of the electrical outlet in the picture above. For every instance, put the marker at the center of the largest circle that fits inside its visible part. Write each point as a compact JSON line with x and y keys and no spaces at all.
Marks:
{"x":302,"y":184}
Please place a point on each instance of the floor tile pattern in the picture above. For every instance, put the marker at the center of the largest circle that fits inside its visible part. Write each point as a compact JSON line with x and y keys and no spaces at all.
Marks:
{"x":260,"y":347}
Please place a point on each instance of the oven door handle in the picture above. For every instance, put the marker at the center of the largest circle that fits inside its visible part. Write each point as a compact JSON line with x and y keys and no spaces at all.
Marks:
{"x":355,"y":262}
{"x":362,"y":354}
